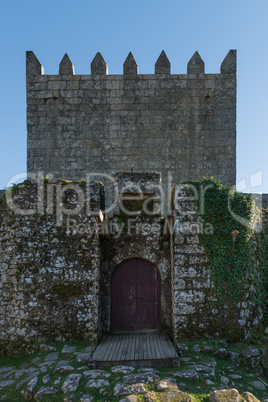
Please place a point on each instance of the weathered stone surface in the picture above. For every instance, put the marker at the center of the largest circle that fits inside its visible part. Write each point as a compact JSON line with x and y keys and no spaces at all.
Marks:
{"x":83,"y":357}
{"x":259,"y":385}
{"x":43,"y":391}
{"x":124,"y":389}
{"x":71,"y":383}
{"x":33,"y":65}
{"x":68,"y":349}
{"x":66,"y":66}
{"x":228,"y":66}
{"x":96,"y":374}
{"x":250,"y":397}
{"x":166,"y":384}
{"x":147,"y":378}
{"x":196,"y":65}
{"x":63,"y":369}
{"x":98,"y":65}
{"x":182,"y":349}
{"x":4,"y":384}
{"x":69,"y":398}
{"x":122,"y":369}
{"x":98,"y":383}
{"x":52,"y":357}
{"x":46,"y":348}
{"x":130,"y":398}
{"x":27,"y":393}
{"x":187,"y":374}
{"x":86,"y":398}
{"x":130,"y":65}
{"x":176,"y":395}
{"x":162,"y":66}
{"x":225,"y":395}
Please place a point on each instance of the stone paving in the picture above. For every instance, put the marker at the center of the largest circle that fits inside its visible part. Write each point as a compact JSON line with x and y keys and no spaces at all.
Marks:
{"x":64,"y":374}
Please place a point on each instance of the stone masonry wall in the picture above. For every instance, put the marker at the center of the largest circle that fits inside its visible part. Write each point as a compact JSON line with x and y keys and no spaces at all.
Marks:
{"x":48,"y":276}
{"x":183,"y":124}
{"x":136,"y":236}
{"x":196,"y":311}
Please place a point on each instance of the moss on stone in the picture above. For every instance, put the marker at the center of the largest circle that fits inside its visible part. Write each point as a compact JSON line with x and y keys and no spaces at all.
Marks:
{"x":67,"y":290}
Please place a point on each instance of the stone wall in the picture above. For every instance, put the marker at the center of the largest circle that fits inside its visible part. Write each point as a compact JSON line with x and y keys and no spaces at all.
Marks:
{"x":196,"y":311}
{"x":48,"y":274}
{"x":136,"y":236}
{"x":184,"y":124}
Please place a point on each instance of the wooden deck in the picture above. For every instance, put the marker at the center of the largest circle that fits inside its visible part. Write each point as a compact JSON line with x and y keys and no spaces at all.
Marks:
{"x":137,"y":350}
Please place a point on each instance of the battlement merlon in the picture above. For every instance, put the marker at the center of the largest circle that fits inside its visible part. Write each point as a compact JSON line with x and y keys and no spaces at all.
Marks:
{"x":162,"y":66}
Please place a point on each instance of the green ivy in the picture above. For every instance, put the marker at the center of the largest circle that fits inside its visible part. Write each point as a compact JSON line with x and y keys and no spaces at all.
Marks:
{"x":234,"y":251}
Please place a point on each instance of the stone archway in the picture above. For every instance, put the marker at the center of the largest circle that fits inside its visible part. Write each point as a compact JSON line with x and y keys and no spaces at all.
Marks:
{"x":135,"y":296}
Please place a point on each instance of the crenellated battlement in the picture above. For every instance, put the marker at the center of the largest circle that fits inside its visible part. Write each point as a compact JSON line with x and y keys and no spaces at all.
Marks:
{"x":180,"y":125}
{"x":130,"y":67}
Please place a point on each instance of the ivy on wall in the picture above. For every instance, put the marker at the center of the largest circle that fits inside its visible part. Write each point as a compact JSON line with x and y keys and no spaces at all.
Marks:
{"x":236,"y":254}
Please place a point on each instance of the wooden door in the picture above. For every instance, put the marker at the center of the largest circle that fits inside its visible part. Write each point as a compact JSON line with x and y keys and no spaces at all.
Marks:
{"x":135,"y":296}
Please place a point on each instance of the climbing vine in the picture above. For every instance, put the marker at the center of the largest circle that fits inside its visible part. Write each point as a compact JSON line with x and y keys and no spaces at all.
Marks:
{"x":234,"y":251}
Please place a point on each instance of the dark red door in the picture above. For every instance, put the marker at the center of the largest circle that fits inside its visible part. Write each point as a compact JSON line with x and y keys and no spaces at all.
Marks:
{"x":135,"y":296}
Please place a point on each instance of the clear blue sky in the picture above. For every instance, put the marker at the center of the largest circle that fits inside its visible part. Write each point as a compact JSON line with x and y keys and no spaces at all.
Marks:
{"x":83,"y":27}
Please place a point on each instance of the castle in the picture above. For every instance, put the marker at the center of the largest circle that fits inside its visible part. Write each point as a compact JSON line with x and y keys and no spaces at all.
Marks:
{"x":79,"y":261}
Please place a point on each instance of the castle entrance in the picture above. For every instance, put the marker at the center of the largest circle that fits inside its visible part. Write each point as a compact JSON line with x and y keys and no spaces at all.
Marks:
{"x":135,"y":296}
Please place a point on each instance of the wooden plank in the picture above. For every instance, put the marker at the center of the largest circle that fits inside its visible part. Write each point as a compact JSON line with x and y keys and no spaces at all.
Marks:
{"x":155,"y":345}
{"x":136,"y":350}
{"x":121,"y":347}
{"x":132,"y":347}
{"x":171,"y":347}
{"x":159,"y":343}
{"x":111,"y":348}
{"x":125,"y":347}
{"x":102,"y":349}
{"x":117,"y":348}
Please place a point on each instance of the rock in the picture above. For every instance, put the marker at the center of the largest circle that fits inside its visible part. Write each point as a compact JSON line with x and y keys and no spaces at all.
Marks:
{"x":225,"y":395}
{"x":69,"y":398}
{"x":35,"y":360}
{"x":235,"y":376}
{"x":123,"y":389}
{"x":6,"y":383}
{"x":68,"y":349}
{"x":46,"y":379}
{"x":63,"y":369}
{"x":250,"y":397}
{"x":148,"y":370}
{"x":182,"y":349}
{"x":266,"y":331}
{"x":259,"y":385}
{"x":251,"y":352}
{"x":52,"y":357}
{"x":86,"y":398}
{"x":207,"y":349}
{"x":71,"y":383}
{"x":188,"y":374}
{"x":5,"y":369}
{"x":221,"y":353}
{"x":130,"y":398}
{"x":83,"y":357}
{"x":210,"y":362}
{"x":98,"y":383}
{"x":122,"y":369}
{"x":96,"y":373}
{"x":44,"y":391}
{"x":185,"y":359}
{"x":149,"y":397}
{"x":175,"y":395}
{"x":57,"y":381}
{"x":46,"y":348}
{"x":19,"y":373}
{"x":19,"y":384}
{"x":224,"y":380}
{"x":166,"y":384}
{"x":196,"y":348}
{"x":27,"y":393}
{"x":146,"y":378}
{"x":223,"y":344}
{"x":208,"y":382}
{"x":89,"y":349}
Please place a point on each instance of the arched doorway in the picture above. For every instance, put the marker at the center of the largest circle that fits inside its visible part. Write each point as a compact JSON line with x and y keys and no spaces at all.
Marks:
{"x":135,"y":296}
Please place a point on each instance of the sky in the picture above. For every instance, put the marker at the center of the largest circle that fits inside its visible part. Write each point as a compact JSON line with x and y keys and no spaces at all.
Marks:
{"x":180,"y":27}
